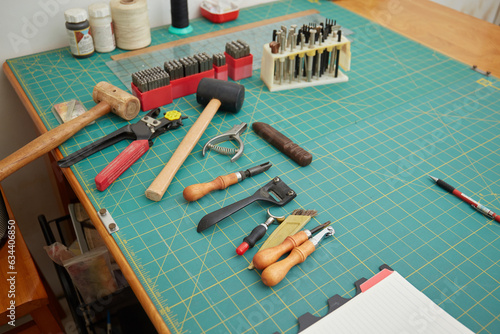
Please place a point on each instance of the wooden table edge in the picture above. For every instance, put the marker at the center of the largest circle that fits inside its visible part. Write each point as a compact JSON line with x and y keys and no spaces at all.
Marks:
{"x":109,"y":241}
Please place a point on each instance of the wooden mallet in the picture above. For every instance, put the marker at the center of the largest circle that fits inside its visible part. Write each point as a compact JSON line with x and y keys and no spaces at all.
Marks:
{"x":108,"y":98}
{"x":215,"y":94}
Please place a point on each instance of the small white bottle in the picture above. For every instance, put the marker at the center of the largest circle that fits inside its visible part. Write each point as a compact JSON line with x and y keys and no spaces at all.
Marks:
{"x":101,"y":27}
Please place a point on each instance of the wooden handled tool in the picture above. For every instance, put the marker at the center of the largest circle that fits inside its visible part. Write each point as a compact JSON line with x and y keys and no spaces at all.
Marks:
{"x":291,"y":225}
{"x":196,"y":191}
{"x":108,"y":98}
{"x":215,"y":94}
{"x":268,"y":256}
{"x":275,"y":273}
{"x":282,"y":143}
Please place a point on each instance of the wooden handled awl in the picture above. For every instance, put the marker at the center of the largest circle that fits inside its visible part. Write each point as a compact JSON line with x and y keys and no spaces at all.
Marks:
{"x":275,"y":273}
{"x":196,"y":191}
{"x":108,"y":98}
{"x":268,"y":256}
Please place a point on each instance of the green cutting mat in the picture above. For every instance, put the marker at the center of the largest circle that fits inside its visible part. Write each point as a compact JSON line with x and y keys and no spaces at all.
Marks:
{"x":406,"y":112}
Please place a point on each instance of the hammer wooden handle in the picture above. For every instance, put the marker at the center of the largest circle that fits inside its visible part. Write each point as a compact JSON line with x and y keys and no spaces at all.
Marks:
{"x":196,"y":191}
{"x":275,"y":273}
{"x":267,"y":256}
{"x":162,"y":181}
{"x":50,"y":140}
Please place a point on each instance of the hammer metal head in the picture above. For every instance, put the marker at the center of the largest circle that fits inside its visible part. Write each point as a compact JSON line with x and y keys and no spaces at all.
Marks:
{"x":230,"y":94}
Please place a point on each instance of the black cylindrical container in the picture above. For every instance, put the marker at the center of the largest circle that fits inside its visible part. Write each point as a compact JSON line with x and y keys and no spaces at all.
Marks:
{"x":179,"y":12}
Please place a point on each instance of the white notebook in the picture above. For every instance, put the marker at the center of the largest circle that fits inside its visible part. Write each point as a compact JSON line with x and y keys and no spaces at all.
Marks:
{"x":391,"y":305}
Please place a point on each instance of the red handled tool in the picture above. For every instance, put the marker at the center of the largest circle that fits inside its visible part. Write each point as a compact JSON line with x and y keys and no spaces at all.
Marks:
{"x":257,"y":233}
{"x":196,"y":191}
{"x":142,"y":133}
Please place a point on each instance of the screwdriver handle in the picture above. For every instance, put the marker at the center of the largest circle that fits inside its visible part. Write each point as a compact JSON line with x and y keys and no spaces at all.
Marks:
{"x":196,"y":191}
{"x":275,"y":273}
{"x":267,"y":256}
{"x":250,"y":240}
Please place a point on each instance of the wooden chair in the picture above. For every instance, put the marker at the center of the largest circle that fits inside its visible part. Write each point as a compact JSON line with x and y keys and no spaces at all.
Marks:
{"x":31,"y":292}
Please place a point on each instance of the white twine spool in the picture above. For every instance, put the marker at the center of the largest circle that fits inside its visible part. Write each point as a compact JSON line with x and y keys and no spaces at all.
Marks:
{"x":131,"y":23}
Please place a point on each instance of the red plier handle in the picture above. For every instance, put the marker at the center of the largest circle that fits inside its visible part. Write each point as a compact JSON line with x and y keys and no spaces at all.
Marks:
{"x":121,"y":163}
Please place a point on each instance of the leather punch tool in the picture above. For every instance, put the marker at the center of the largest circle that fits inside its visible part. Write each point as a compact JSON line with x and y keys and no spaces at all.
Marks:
{"x":232,"y":134}
{"x":142,"y":133}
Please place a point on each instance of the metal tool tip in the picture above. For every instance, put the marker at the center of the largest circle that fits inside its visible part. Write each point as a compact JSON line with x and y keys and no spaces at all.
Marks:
{"x":320,"y":227}
{"x":435,"y":179}
{"x":325,"y":224}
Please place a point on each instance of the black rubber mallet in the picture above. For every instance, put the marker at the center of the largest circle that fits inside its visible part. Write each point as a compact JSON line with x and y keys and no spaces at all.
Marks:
{"x":216,"y":95}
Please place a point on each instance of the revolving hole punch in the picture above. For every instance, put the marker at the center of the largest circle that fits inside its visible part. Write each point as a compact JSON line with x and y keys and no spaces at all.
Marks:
{"x":231,"y":135}
{"x":142,"y":133}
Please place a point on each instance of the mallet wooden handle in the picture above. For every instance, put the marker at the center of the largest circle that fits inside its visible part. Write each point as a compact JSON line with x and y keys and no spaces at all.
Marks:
{"x":196,"y":191}
{"x":162,"y":181}
{"x":275,"y":273}
{"x":50,"y":140}
{"x":267,"y":256}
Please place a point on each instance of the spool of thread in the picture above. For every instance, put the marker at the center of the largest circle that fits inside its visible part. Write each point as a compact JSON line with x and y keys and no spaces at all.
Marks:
{"x":180,"y":17}
{"x":131,"y":23}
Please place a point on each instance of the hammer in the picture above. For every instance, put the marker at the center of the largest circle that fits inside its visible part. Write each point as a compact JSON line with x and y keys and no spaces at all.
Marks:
{"x":108,"y":98}
{"x":215,"y":94}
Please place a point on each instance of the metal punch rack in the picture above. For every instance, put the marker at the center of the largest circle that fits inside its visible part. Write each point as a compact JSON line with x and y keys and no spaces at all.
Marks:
{"x":305,"y":57}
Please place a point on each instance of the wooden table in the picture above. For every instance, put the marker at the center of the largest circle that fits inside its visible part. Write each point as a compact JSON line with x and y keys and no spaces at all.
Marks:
{"x":457,"y":35}
{"x":30,"y":291}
